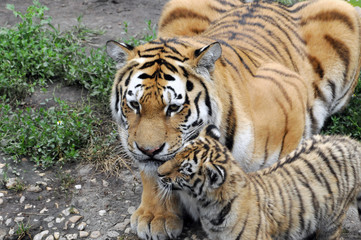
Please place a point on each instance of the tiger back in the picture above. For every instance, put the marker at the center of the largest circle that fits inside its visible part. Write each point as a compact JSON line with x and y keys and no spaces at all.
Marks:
{"x":267,"y":75}
{"x":304,"y":195}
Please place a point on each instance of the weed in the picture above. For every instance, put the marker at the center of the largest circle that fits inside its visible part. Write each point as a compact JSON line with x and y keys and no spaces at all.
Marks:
{"x":149,"y":34}
{"x":23,"y":230}
{"x":5,"y":176}
{"x":66,"y":181}
{"x":19,"y":186}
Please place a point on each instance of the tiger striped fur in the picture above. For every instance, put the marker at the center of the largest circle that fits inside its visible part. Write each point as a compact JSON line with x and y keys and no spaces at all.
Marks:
{"x":265,"y":74}
{"x":305,"y":194}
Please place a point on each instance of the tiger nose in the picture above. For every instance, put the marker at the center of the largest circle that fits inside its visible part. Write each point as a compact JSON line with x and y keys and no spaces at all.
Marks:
{"x":150,"y":151}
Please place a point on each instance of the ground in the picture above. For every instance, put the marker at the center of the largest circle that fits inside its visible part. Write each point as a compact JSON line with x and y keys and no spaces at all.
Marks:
{"x":78,"y":200}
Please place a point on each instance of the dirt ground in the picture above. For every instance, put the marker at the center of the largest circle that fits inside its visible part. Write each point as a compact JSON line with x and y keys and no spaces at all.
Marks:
{"x":78,"y":201}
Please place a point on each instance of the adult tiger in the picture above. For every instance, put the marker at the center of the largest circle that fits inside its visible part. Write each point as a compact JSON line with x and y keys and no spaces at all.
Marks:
{"x":265,"y":74}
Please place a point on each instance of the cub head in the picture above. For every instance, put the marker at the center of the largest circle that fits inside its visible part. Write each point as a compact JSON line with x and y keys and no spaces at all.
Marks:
{"x":200,"y":167}
{"x":162,"y":96}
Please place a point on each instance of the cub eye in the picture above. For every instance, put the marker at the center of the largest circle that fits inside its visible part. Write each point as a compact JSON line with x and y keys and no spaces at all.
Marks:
{"x":134,"y":105}
{"x":173,"y":108}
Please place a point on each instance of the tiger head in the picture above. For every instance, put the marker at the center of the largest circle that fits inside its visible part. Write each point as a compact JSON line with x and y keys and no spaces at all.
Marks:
{"x":162,"y":97}
{"x":200,"y":168}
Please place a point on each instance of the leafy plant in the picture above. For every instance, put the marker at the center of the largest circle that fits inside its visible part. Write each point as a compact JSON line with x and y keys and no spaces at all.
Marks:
{"x":23,"y":230}
{"x":150,"y":34}
{"x":46,"y":135}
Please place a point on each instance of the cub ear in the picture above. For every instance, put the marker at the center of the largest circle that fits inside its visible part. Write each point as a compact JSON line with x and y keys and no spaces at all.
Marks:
{"x":119,"y":52}
{"x":207,"y":56}
{"x":215,"y":175}
{"x":213,"y":132}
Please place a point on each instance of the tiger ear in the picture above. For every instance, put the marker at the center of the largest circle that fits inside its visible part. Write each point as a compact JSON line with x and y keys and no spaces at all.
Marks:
{"x":119,"y":52}
{"x":207,"y":56}
{"x":215,"y":175}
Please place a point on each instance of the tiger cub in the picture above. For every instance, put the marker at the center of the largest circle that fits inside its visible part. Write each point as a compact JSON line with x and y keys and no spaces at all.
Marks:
{"x":306,"y":194}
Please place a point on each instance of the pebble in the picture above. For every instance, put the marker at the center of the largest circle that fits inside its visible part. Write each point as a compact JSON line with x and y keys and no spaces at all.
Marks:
{"x":43,"y":210}
{"x":71,"y":236}
{"x":48,"y":189}
{"x":41,"y":183}
{"x":51,"y":224}
{"x":81,"y":226}
{"x":1,"y":201}
{"x":22,"y":199}
{"x":11,"y":183}
{"x":121,"y":226}
{"x":83,"y":234}
{"x":75,"y":218}
{"x":27,"y":206}
{"x":2,"y":194}
{"x":66,"y":212}
{"x":102,"y":212}
{"x":50,"y":237}
{"x":59,"y":220}
{"x":56,"y":235}
{"x":41,"y":174}
{"x":113,"y":234}
{"x":95,"y":234}
{"x":18,"y":219}
{"x":8,"y":222}
{"x":131,"y":210}
{"x":49,"y":219}
{"x":77,"y":187}
{"x":93,"y":181}
{"x":105,"y":183}
{"x":127,"y":230}
{"x":40,"y":236}
{"x":35,"y":189}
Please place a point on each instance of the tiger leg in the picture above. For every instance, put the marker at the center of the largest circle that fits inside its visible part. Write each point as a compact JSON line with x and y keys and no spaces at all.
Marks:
{"x":156,"y":218}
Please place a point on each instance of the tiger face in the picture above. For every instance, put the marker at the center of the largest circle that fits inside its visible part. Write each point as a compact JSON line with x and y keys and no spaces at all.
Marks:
{"x":199,"y":168}
{"x":161,"y":98}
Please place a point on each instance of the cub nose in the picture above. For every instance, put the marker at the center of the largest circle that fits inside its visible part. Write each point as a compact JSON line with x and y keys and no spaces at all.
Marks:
{"x":149,"y":151}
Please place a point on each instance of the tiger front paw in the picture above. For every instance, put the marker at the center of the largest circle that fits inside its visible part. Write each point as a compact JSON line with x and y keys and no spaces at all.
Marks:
{"x":157,"y":226}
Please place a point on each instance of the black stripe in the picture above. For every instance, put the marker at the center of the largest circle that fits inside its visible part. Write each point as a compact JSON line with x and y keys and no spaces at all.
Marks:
{"x":280,"y":87}
{"x":207,"y":98}
{"x":231,"y":125}
{"x":329,"y":16}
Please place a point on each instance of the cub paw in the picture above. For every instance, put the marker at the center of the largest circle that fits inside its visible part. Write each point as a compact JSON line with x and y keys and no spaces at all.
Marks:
{"x":158,"y":226}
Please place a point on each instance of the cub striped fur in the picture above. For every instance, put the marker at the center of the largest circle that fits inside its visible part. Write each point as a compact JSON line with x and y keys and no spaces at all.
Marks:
{"x":306,"y":194}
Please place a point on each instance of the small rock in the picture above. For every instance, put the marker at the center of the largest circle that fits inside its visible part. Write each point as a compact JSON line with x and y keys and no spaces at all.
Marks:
{"x":59,"y":220}
{"x":66,"y":225}
{"x":131,"y":210}
{"x":121,"y":226}
{"x":77,"y":187}
{"x":127,"y":230}
{"x":102,"y":212}
{"x":73,"y":210}
{"x":11,"y":231}
{"x":48,"y":200}
{"x":35,"y":189}
{"x":43,"y":210}
{"x":56,"y":235}
{"x":105,"y":183}
{"x":2,"y":194}
{"x":11,"y":183}
{"x":113,"y":234}
{"x":83,"y":234}
{"x":49,"y":219}
{"x":40,"y":236}
{"x":50,"y":237}
{"x":66,"y":212}
{"x":71,"y":236}
{"x":41,"y":174}
{"x":72,"y":225}
{"x":1,"y":201}
{"x":93,"y":181}
{"x":81,"y":226}
{"x":41,"y":183}
{"x":27,"y":206}
{"x":8,"y":222}
{"x":75,"y":218}
{"x":22,"y":199}
{"x":18,"y":219}
{"x":51,"y":224}
{"x":2,"y":165}
{"x":48,"y":189}
{"x":95,"y":234}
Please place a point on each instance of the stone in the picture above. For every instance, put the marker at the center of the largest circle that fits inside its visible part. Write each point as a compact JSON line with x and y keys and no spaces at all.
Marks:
{"x":22,"y":199}
{"x":11,"y":183}
{"x":66,"y":225}
{"x":50,"y":237}
{"x":127,"y":230}
{"x":43,"y":210}
{"x":41,"y":174}
{"x":77,"y":187}
{"x":113,"y":234}
{"x":102,"y":212}
{"x":18,"y":219}
{"x":48,"y":189}
{"x":2,"y":194}
{"x":51,"y":224}
{"x":66,"y":212}
{"x":81,"y":226}
{"x":1,"y":201}
{"x":71,"y":236}
{"x":83,"y":234}
{"x":56,"y":235}
{"x":131,"y":210}
{"x":49,"y":219}
{"x":105,"y":183}
{"x":75,"y":218}
{"x":121,"y":226}
{"x":59,"y":220}
{"x":95,"y":234}
{"x":27,"y":206}
{"x":8,"y":222}
{"x":35,"y":189}
{"x":11,"y":231}
{"x":41,"y":183}
{"x":40,"y":236}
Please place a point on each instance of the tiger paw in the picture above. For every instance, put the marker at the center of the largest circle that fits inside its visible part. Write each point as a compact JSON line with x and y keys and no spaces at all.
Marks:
{"x":159,"y":226}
